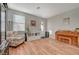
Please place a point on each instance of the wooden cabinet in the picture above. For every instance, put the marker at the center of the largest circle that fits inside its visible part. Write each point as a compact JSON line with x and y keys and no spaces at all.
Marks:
{"x":70,"y":37}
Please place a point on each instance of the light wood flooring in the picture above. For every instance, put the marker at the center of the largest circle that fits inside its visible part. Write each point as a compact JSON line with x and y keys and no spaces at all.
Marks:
{"x":44,"y":47}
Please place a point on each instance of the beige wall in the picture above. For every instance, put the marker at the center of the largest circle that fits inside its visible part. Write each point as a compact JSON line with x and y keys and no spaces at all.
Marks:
{"x":28,"y":18}
{"x":56,"y":22}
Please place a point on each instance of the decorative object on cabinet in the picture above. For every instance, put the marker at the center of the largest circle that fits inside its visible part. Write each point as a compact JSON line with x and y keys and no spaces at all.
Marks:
{"x":77,"y":29}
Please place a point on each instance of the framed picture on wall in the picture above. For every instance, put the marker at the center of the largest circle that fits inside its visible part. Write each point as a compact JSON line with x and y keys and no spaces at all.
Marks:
{"x":66,"y":20}
{"x":33,"y":23}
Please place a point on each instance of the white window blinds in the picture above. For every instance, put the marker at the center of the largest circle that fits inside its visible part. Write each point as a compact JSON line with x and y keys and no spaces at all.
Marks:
{"x":18,"y":23}
{"x":2,"y":21}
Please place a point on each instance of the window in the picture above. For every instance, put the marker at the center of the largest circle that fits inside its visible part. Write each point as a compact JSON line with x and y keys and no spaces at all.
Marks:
{"x":50,"y":32}
{"x":3,"y":21}
{"x":3,"y":30}
{"x":42,"y":26}
{"x":18,"y":23}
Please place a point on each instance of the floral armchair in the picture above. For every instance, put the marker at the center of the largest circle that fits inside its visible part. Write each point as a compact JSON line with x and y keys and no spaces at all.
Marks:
{"x":15,"y":39}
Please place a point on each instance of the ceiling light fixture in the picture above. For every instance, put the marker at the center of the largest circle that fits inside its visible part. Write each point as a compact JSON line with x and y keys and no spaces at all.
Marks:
{"x":38,"y":8}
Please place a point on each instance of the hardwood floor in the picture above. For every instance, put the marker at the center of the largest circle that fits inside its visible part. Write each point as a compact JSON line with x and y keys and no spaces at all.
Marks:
{"x":44,"y":47}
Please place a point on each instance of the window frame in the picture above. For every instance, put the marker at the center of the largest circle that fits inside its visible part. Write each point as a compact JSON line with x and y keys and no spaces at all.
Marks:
{"x":14,"y":22}
{"x":5,"y":6}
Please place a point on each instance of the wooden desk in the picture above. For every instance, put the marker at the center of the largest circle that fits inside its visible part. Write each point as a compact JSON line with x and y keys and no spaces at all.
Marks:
{"x":70,"y":37}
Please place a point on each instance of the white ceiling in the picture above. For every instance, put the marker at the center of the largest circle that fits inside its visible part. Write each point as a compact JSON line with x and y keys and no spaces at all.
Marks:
{"x":46,"y":9}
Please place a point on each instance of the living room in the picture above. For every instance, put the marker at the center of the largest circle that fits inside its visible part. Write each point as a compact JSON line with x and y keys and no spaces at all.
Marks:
{"x":46,"y":24}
